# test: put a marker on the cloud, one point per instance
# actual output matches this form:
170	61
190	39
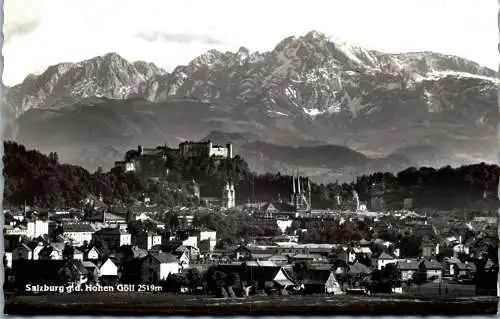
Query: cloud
182	38
20	29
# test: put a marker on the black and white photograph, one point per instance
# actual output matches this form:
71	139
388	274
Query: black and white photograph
250	158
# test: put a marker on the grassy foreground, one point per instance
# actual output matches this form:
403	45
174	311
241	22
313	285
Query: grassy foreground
168	304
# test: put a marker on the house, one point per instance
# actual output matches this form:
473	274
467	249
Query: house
207	239
177	248
37	250
278	259
37	227
407	268
263	263
385	259
321	281
429	248
78	232
112	237
147	240
358	269
255	252
53	251
266	277
128	253
432	268
93	254
18	215
459	269
19	229
242	253
308	258
108	268
158	266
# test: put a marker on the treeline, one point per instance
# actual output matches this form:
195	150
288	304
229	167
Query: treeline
38	179
33	178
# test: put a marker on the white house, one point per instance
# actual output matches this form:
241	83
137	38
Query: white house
207	233
16	230
78	232
18	215
385	259
37	249
158	266
207	238
8	259
191	241
57	251
93	254
37	227
108	268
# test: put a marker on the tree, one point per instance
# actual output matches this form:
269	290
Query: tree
194	278
175	282
419	277
301	268
68	252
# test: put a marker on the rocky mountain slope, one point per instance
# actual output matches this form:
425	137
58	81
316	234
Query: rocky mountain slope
435	109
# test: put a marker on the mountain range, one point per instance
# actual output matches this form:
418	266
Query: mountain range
327	108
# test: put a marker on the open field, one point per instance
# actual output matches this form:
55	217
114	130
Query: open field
163	304
433	289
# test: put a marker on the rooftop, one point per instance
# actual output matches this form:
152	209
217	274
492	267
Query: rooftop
78	228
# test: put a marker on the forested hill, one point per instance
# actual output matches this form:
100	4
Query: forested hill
38	179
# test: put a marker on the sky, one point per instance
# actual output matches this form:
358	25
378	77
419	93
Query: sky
40	33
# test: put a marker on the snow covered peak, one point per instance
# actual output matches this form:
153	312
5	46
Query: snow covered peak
243	53
316	35
208	58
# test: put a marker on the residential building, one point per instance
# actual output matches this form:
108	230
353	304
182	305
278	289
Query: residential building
93	254
321	281
112	237
147	240
37	227
432	268
207	237
429	248
408	268
108	268
78	232
16	230
158	266
385	259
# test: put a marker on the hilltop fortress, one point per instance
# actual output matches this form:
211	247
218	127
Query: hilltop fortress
151	162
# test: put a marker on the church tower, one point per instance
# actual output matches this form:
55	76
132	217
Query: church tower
301	197
228	196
